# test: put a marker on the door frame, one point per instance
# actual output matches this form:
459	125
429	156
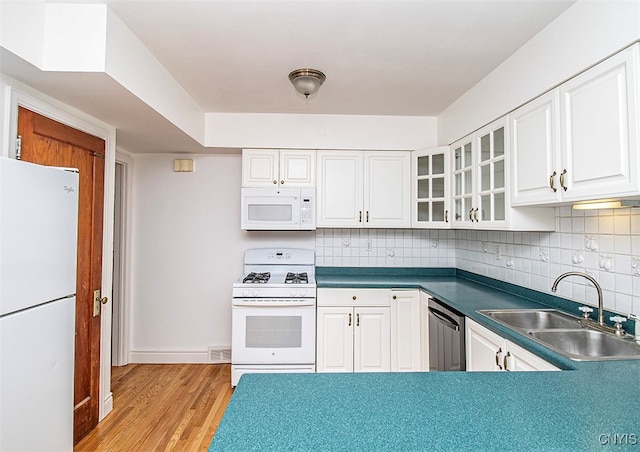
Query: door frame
121	345
24	96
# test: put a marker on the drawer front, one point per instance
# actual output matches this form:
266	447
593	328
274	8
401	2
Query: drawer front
353	297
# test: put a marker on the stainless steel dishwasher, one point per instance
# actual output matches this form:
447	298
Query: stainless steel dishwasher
446	337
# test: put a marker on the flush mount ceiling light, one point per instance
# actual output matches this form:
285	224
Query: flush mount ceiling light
307	81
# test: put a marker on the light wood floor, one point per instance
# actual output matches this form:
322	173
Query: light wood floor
162	407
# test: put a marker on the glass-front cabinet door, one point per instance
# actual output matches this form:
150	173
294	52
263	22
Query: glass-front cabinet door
463	177
431	188
491	204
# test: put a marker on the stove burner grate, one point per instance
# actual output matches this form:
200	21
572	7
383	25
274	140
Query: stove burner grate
257	278
296	278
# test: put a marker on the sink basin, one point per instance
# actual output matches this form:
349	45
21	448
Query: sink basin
564	334
587	345
533	319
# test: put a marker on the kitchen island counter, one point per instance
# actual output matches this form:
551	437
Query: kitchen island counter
590	405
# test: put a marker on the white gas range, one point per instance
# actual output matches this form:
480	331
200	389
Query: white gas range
274	313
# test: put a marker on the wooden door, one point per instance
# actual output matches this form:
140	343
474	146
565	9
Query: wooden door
47	142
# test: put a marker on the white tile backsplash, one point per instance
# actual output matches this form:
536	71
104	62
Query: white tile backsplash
602	243
585	241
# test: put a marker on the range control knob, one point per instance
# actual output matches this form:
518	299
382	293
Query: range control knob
294	292
245	292
303	292
255	292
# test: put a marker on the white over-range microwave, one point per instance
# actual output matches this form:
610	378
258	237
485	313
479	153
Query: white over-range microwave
278	209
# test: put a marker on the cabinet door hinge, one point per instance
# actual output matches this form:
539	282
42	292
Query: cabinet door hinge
19	147
97	154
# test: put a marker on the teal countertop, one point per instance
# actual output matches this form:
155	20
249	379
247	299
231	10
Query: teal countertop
590	406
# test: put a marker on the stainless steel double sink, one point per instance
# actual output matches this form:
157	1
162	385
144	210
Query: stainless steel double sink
564	334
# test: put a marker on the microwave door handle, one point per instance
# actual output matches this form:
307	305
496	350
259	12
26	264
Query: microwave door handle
445	319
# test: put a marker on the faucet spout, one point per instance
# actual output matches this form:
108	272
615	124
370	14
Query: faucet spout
554	288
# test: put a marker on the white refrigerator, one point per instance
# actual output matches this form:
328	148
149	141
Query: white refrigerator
38	241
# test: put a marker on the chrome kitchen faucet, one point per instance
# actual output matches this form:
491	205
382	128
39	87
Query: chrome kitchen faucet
600	325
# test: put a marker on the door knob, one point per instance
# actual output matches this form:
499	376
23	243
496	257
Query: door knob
104	300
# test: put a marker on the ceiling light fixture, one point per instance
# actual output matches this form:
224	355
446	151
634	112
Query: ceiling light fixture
307	81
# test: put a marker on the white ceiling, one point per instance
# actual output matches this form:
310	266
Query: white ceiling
381	57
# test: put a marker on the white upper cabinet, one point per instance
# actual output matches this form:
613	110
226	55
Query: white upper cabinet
387	189
599	124
279	168
491	151
479	178
463	175
481	191
579	142
340	193
430	189
535	146
369	189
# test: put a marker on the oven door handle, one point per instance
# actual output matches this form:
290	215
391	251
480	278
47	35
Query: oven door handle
445	319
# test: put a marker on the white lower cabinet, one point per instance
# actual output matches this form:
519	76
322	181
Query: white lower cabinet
406	331
353	330
487	351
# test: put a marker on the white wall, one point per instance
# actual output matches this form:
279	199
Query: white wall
188	249
320	131
584	34
16	17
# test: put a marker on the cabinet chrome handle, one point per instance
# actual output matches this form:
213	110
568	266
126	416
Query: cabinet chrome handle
551	184
360	217
564	171
275	182
498	358
367	216
282	182
471	214
446	216
475	214
504	361
349	320
357	319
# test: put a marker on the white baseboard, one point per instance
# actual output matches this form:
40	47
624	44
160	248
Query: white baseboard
168	357
107	406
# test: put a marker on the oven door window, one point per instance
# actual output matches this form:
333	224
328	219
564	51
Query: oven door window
267	335
273	331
